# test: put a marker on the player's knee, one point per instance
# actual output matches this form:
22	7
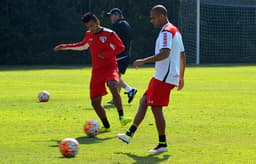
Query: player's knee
94	102
157	110
143	101
112	84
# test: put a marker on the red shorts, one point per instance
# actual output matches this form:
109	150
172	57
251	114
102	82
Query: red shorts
99	80
158	93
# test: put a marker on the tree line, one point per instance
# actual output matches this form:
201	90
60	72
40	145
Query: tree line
30	29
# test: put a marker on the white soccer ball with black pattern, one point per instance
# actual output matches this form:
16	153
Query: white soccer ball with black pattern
92	128
44	96
69	147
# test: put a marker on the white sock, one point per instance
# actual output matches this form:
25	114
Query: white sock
128	88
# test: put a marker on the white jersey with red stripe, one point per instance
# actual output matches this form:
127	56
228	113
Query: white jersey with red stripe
168	70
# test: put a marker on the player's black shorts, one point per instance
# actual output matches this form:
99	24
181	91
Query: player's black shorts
123	62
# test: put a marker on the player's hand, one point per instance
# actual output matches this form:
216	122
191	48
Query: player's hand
138	63
181	84
58	47
101	56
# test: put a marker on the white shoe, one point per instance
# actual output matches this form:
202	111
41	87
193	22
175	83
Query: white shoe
158	150
124	138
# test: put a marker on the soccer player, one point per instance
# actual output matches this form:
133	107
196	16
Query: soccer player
170	66
123	30
104	46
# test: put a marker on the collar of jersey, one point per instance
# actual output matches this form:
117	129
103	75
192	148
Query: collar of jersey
100	31
168	23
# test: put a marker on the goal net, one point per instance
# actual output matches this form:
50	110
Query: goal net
227	30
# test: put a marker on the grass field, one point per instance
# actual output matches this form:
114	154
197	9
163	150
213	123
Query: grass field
213	120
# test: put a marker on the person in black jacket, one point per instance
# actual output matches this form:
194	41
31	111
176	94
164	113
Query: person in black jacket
124	31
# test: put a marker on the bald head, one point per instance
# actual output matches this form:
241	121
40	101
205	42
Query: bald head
158	16
160	10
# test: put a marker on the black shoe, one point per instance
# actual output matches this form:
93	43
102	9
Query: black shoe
111	102
131	94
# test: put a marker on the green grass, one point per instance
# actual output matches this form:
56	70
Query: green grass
213	120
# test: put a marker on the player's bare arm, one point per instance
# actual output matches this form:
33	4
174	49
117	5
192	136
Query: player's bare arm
58	48
164	53
182	70
80	46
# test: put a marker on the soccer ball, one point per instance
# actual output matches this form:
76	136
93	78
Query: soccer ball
69	147
44	96
92	128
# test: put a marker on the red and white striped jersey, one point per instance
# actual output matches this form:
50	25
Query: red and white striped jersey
168	70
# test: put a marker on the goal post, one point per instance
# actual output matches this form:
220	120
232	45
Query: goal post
198	32
218	31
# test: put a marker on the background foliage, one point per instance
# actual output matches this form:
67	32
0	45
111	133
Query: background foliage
30	29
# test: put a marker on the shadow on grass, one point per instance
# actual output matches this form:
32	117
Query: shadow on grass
151	158
110	107
56	142
61	157
92	140
84	140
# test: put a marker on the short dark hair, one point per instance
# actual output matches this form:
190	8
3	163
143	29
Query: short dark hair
88	17
160	9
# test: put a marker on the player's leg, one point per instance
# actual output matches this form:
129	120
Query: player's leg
159	119
122	66
122	84
137	121
139	116
113	86
131	92
160	124
119	86
99	109
157	102
97	90
141	111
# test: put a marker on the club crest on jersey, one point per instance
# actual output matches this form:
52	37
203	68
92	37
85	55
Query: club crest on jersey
103	39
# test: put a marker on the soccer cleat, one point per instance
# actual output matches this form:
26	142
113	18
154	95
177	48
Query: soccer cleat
158	149
105	130
124	138
125	120
131	94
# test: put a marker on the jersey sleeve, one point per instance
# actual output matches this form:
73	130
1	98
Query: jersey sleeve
165	40
82	45
180	43
182	49
117	42
116	46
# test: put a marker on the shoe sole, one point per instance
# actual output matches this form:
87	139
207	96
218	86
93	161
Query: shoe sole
123	140
130	99
159	151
